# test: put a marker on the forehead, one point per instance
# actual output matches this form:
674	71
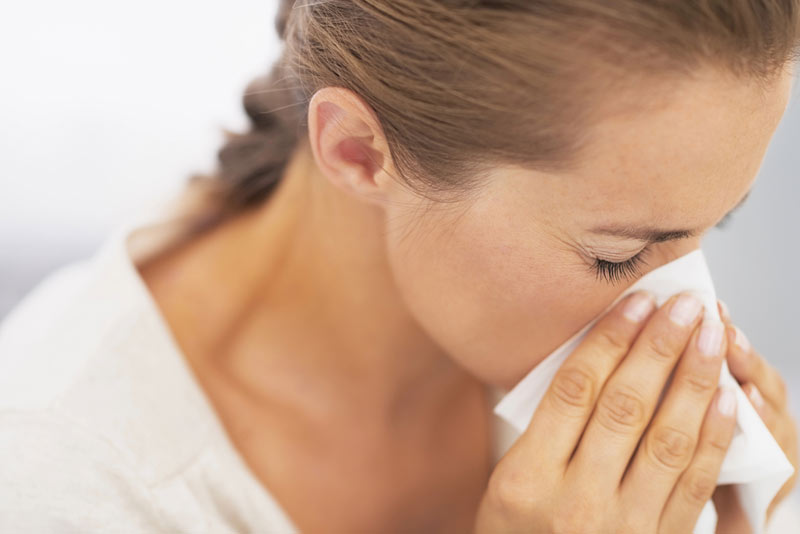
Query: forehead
684	160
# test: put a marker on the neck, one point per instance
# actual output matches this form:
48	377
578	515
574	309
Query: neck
303	305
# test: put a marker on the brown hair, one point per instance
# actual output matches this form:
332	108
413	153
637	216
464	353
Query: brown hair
460	85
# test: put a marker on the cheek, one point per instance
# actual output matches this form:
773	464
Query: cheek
497	303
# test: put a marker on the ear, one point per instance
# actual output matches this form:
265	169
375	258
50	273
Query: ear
348	144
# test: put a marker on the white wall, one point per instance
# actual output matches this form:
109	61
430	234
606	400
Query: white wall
106	106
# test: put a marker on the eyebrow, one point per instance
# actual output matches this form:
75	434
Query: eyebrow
658	235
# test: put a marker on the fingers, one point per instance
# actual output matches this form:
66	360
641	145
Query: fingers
764	409
697	483
669	443
724	312
629	397
766	390
561	416
746	365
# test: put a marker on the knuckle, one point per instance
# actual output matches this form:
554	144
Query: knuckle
573	389
698	382
698	485
718	444
511	494
612	340
621	410
670	448
661	347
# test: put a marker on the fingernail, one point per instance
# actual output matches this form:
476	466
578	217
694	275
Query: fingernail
638	306
724	312
685	309
755	396
741	340
710	339
726	403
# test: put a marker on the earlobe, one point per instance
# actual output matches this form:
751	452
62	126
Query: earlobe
342	134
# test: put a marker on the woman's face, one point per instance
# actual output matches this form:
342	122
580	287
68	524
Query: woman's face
503	279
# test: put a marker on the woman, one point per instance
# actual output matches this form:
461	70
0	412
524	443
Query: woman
432	197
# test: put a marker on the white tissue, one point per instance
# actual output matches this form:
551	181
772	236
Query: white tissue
754	462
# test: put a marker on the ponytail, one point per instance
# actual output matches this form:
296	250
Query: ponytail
251	164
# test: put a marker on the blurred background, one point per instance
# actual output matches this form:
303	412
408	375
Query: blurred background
107	107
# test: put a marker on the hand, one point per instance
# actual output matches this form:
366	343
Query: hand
597	455
767	392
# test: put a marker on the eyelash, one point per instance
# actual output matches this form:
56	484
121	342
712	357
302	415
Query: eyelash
629	269
614	272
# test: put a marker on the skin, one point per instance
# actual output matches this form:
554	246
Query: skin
350	327
579	466
756	375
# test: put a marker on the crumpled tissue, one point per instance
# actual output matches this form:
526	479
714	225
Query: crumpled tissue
754	463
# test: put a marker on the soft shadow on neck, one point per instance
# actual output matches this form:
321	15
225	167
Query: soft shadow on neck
294	301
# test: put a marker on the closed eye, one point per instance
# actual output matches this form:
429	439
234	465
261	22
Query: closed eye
614	272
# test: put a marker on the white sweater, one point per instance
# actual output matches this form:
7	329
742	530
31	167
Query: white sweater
103	426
